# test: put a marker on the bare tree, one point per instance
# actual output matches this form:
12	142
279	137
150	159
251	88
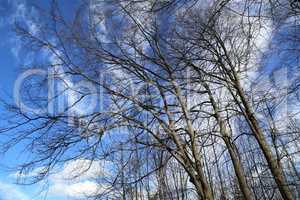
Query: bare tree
178	114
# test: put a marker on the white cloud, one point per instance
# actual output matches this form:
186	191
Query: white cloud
21	13
81	169
11	192
76	179
76	190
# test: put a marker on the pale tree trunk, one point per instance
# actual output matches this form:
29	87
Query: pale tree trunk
239	171
241	101
274	166
199	179
223	193
230	146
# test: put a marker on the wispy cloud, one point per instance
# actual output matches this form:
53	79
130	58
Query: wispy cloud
75	179
21	12
11	192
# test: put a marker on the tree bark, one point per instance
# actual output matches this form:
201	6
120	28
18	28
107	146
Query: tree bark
275	168
238	169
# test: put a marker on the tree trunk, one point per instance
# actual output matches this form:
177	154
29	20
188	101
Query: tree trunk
275	168
238	169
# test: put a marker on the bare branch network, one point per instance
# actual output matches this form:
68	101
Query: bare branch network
181	99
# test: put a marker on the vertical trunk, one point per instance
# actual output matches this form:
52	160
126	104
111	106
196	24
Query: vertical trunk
200	183
210	179
199	180
243	103
200	177
238	169
207	195
275	168
223	194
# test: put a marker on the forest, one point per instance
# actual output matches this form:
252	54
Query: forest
161	99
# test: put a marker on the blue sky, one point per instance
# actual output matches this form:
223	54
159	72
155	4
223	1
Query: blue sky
11	58
8	72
